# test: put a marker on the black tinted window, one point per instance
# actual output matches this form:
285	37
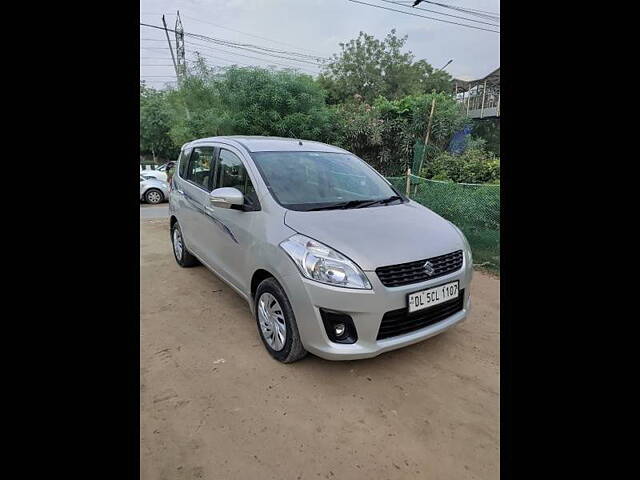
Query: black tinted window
183	160
302	180
234	174
199	169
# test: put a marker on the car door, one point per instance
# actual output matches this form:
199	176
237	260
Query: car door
193	190
233	230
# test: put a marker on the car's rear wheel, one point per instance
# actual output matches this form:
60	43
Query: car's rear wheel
153	196
180	252
276	322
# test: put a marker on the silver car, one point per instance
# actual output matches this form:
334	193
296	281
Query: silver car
331	258
153	190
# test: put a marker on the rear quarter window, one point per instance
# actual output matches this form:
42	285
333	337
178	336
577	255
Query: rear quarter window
182	162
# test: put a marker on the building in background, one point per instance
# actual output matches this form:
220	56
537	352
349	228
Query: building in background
479	98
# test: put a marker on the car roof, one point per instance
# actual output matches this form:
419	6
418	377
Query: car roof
269	144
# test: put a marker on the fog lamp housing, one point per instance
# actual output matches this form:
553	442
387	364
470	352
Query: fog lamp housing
339	326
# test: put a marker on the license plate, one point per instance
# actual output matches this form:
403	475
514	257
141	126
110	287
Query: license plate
433	296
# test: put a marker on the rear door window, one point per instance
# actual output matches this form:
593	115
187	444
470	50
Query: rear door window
200	168
232	173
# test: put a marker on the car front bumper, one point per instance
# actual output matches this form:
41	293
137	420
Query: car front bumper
366	308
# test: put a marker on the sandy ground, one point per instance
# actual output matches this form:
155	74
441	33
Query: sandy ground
214	405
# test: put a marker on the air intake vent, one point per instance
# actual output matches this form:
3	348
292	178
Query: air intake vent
399	322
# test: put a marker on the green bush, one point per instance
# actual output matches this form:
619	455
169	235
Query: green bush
248	101
474	165
386	133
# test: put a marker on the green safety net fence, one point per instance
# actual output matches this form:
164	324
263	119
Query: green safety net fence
474	208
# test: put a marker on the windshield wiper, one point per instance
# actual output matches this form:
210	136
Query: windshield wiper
384	201
355	204
341	205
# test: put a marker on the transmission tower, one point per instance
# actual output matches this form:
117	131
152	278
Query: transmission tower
181	63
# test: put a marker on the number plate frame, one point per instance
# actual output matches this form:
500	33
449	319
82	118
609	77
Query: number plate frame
415	310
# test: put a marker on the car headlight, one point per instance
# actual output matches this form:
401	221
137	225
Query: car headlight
318	262
467	248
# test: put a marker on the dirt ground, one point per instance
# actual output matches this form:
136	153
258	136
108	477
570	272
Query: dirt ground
214	405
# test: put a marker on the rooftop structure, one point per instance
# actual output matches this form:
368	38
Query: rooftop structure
480	98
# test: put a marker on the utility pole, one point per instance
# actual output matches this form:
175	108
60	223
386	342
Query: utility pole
426	138
181	63
179	66
433	106
175	65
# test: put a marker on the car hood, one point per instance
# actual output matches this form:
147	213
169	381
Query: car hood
378	236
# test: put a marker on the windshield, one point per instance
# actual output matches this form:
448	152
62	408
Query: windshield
322	180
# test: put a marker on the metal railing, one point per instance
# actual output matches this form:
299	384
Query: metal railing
480	101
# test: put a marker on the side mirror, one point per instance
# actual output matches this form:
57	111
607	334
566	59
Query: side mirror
226	197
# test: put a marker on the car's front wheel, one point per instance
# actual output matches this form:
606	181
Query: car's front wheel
153	196
277	323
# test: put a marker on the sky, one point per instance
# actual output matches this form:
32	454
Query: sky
314	27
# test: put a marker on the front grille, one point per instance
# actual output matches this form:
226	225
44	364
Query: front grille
414	272
399	322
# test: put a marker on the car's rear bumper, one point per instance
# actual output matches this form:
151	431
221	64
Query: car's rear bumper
366	308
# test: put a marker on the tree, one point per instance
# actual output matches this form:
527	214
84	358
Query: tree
385	133
370	68
155	124
248	101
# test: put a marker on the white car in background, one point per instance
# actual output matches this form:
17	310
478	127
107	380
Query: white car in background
157	174
153	191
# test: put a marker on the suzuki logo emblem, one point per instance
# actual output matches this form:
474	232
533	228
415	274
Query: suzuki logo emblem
428	268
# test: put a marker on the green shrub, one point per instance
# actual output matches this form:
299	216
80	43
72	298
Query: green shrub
387	133
475	165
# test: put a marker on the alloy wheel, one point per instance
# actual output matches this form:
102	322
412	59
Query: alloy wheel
154	197
272	324
177	243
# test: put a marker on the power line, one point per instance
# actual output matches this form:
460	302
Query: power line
456	7
209	56
440	13
258	49
424	16
251	35
227	60
242	47
248	34
464	9
253	48
267	61
227	51
239	54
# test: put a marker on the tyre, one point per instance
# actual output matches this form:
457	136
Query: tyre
153	196
180	252
276	323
